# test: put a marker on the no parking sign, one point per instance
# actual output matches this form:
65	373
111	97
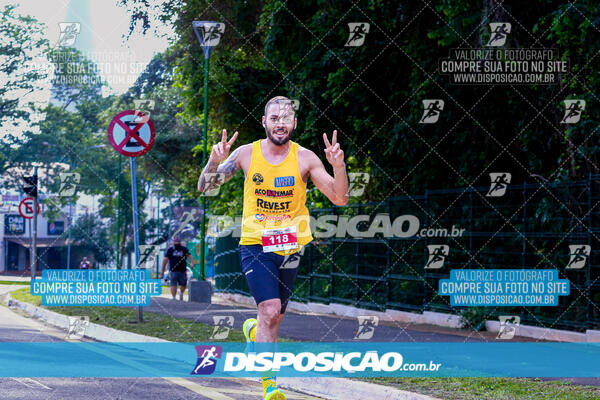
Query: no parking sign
131	133
26	207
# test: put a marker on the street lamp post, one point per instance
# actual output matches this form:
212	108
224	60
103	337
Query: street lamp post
209	34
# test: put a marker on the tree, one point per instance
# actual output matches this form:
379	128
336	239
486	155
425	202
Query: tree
21	39
372	94
91	234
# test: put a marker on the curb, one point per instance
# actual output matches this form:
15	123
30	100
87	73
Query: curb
427	317
93	331
555	335
327	388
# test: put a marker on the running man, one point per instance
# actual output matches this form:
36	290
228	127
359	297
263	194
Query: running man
275	220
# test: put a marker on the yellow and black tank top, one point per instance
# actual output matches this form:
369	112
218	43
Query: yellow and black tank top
274	197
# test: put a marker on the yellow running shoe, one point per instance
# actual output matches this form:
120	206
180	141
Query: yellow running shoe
249	329
272	392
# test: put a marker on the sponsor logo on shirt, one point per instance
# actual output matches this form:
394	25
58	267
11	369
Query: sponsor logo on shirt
274	193
261	217
273	205
282	181
257	178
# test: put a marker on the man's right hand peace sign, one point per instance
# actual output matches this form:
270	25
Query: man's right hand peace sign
220	151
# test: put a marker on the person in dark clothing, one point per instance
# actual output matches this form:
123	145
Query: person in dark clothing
176	256
85	264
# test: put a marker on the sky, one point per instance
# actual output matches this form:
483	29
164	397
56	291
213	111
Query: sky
103	27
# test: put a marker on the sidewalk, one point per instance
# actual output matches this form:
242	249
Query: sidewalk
17	276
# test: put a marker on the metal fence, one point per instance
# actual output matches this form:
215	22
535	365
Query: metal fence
531	226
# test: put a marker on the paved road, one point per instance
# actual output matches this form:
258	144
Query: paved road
14	327
138	388
330	328
18	328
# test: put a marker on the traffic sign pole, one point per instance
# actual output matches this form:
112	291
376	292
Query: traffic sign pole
69	233
157	236
29	209
136	236
119	213
34	237
132	134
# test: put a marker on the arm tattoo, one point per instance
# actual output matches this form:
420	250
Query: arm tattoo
229	167
214	175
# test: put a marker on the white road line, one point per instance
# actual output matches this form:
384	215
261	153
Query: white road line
215	393
206	391
31	383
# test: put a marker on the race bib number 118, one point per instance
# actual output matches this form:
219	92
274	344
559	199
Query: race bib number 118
279	239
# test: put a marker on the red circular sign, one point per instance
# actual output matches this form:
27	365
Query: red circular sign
131	133
26	207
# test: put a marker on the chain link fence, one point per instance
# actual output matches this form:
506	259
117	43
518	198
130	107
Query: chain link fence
373	260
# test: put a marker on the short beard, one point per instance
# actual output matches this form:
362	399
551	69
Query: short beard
277	141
